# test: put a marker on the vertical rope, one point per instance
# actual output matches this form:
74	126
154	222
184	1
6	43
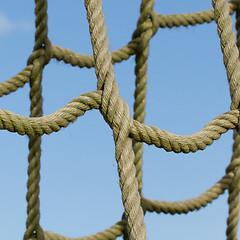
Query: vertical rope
33	228
147	27
116	113
229	49
232	65
233	199
141	83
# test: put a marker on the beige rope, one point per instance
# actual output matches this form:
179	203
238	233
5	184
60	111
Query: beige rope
109	234
193	204
128	133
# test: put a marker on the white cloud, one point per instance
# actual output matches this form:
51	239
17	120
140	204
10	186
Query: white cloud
7	25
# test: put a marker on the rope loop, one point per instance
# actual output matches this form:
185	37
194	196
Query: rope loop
38	234
45	53
148	20
43	46
150	23
155	23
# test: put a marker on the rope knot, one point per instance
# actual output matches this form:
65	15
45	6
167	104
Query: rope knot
45	53
150	23
38	234
155	23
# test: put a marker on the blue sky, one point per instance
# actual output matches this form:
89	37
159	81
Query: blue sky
80	194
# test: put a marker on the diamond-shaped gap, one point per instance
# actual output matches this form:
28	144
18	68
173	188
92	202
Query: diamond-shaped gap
80	193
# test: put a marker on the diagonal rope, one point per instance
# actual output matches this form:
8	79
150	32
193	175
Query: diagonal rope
115	110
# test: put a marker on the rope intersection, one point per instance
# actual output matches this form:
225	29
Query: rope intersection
129	132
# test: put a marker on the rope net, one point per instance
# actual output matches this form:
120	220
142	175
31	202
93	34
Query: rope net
129	133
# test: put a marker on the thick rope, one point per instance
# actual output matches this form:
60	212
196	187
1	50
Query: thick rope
109	234
16	82
116	112
186	19
41	41
229	49
233	199
142	53
193	204
232	65
140	132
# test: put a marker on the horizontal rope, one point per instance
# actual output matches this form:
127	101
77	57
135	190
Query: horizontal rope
140	132
190	204
82	60
186	19
180	143
32	126
109	234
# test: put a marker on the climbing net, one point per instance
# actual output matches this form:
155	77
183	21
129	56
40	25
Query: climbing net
128	133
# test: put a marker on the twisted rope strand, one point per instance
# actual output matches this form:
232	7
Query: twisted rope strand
141	82
234	188
232	65
116	113
19	80
109	234
229	49
191	204
33	228
186	19
33	210
140	132
180	143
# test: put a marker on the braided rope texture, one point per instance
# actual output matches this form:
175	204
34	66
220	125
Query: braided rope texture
129	133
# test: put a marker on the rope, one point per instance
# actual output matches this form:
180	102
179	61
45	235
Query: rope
115	110
129	133
109	234
142	53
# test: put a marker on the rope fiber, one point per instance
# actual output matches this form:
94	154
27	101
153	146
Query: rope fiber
129	132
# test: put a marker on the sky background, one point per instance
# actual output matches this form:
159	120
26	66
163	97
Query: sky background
80	193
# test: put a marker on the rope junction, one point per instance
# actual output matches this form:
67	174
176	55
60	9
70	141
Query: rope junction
129	133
